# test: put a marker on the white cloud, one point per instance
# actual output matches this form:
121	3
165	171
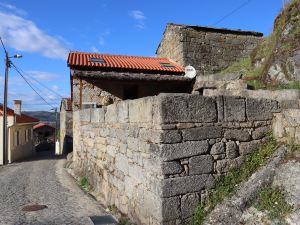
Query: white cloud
55	88
101	41
12	8
42	76
24	35
94	49
139	16
103	36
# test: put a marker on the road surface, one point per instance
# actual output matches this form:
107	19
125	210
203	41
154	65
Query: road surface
43	181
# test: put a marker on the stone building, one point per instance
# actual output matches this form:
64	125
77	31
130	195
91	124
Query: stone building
66	126
209	50
102	79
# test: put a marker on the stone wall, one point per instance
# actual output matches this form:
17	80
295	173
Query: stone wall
87	92
66	131
197	46
286	126
155	157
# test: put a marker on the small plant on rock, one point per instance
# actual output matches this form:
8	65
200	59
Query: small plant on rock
84	183
272	201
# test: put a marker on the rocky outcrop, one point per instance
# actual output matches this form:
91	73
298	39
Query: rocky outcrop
279	54
231	210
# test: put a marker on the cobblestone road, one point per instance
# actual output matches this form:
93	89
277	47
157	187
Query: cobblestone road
43	181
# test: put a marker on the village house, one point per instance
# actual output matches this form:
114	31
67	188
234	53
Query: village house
20	133
66	126
102	79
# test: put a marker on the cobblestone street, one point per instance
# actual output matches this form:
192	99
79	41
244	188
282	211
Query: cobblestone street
43	181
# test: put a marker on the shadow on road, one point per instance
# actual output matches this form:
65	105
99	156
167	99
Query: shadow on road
43	155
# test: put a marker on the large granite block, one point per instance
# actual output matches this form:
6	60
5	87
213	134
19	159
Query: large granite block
170	152
202	133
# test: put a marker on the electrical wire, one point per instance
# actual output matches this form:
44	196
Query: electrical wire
20	70
26	74
231	13
3	46
30	85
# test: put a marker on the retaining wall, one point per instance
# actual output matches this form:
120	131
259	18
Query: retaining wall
155	157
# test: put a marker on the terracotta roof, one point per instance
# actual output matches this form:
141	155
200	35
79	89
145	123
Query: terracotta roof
19	118
10	112
25	119
123	62
42	125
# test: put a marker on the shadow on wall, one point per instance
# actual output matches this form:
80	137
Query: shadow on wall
67	144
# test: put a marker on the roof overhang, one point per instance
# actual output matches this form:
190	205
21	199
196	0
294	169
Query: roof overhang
103	75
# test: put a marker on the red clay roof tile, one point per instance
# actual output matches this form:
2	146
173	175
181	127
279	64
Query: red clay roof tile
42	125
82	59
19	118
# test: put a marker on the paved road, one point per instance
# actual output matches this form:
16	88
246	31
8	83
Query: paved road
43	181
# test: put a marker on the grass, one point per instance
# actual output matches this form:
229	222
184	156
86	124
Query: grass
274	48
84	183
272	201
227	185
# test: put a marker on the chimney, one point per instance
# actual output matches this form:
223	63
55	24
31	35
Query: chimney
18	107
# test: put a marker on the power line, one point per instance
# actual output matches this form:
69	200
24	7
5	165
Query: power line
41	84
230	13
40	104
60	96
3	46
18	71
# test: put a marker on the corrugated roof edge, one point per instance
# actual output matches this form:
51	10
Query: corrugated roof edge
130	56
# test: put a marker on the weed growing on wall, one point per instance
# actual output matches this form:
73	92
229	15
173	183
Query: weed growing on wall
226	186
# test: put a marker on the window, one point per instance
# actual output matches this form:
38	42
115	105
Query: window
27	135
97	60
130	92
17	138
88	105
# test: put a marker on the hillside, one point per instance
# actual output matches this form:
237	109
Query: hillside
43	116
275	61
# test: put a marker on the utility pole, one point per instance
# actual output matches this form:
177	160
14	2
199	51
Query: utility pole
5	136
5	140
55	124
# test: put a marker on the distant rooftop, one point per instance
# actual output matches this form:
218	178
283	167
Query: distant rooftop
219	30
106	62
23	118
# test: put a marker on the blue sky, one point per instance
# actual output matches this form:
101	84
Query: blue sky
45	31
